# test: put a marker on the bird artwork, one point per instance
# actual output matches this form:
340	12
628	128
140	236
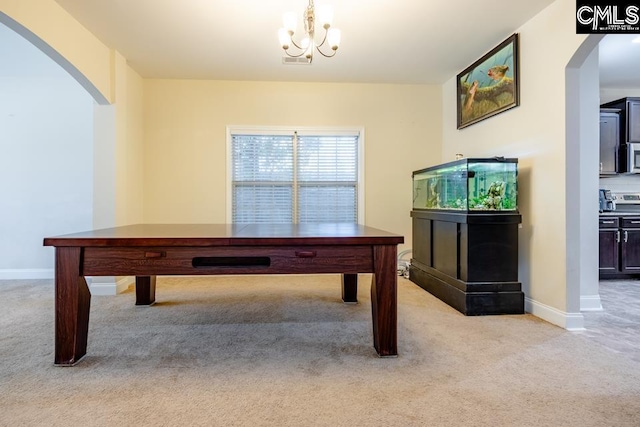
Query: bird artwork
489	87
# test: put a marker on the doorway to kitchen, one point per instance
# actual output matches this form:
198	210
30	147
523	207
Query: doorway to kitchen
610	308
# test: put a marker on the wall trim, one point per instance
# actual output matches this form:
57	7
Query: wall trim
26	273
590	303
568	321
110	287
96	287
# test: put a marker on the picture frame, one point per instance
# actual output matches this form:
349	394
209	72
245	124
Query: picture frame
490	85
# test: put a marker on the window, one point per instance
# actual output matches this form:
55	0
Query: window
300	176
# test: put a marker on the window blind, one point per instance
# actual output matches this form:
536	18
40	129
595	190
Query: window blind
327	178
294	178
262	178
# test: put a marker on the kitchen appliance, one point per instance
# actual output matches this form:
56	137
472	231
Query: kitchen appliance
626	202
633	157
607	202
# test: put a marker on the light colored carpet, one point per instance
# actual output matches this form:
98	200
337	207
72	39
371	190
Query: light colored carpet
284	350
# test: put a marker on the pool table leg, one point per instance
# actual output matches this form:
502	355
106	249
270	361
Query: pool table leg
384	300
145	290
72	302
350	288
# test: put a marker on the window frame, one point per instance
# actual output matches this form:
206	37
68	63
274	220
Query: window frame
282	130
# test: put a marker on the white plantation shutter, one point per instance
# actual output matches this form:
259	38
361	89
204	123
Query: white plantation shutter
295	177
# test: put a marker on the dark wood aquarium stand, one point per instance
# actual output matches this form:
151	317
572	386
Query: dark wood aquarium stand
469	260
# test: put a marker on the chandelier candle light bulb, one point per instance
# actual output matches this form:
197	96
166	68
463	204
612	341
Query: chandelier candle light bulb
333	38
290	22
325	15
307	45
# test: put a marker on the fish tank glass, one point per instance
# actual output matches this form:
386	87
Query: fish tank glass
482	184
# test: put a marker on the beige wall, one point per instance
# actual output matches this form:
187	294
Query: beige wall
179	170
185	140
49	22
119	151
129	150
535	133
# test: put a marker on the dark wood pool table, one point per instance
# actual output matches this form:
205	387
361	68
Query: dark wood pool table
147	250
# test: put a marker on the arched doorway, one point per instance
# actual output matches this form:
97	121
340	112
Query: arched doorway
582	157
48	122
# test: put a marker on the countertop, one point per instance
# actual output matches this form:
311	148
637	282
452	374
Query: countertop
619	213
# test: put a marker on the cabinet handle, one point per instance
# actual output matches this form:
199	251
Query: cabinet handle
607	222
154	254
600	166
634	222
626	236
618	236
306	254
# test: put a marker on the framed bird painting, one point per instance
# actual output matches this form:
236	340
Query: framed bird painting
490	85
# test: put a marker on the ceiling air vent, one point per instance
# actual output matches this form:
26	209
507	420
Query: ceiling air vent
300	60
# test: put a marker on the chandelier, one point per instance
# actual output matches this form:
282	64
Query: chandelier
306	46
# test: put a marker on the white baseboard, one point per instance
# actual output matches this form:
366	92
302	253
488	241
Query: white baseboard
97	285
590	303
100	286
26	273
568	321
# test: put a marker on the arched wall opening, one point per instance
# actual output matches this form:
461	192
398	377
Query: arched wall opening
582	100
57	137
55	57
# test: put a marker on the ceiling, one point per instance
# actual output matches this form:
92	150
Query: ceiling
619	61
237	39
383	41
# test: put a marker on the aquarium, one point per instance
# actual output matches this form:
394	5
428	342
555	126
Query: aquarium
482	184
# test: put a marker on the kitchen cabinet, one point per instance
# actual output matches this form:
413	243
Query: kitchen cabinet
633	120
619	245
630	245
629	118
609	244
609	141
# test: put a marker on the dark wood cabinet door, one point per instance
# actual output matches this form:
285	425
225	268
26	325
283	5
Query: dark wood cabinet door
422	241
609	142
609	251
630	251
633	121
445	248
